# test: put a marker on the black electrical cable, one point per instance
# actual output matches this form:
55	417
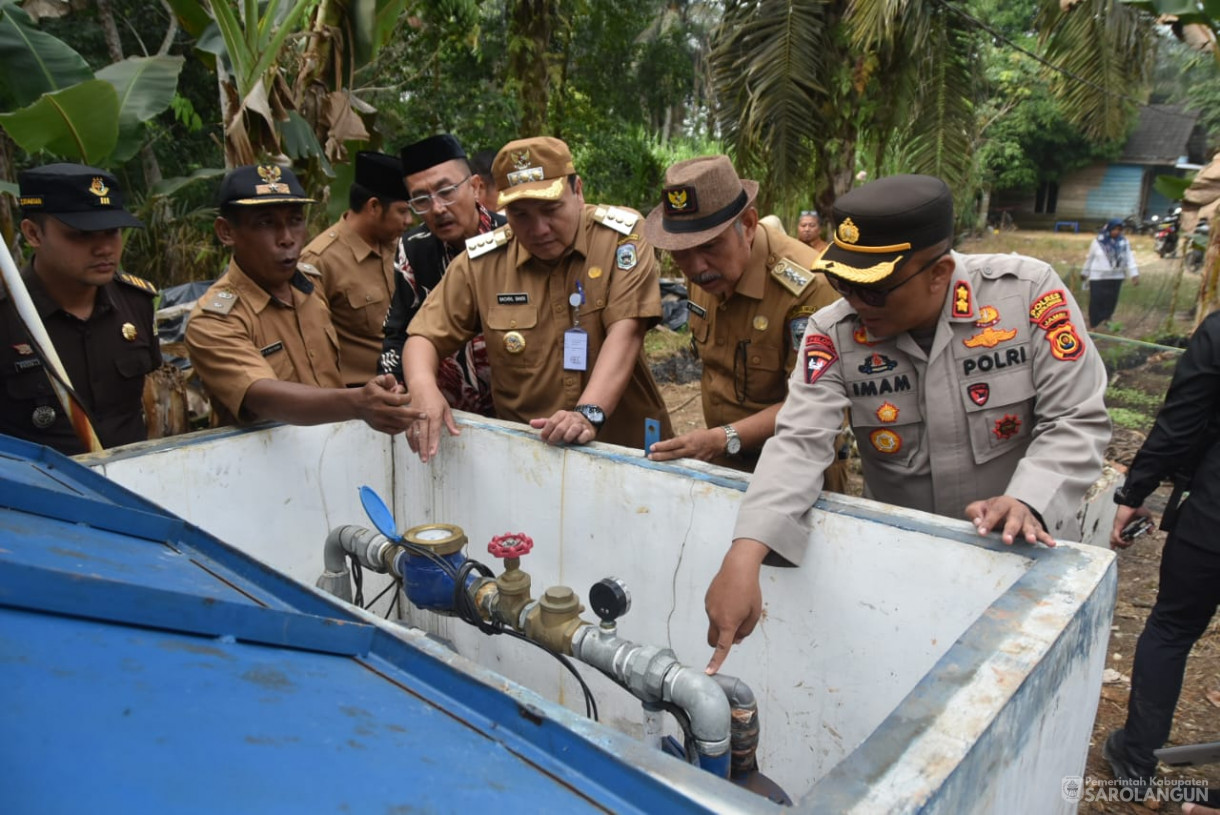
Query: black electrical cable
358	579
381	594
394	602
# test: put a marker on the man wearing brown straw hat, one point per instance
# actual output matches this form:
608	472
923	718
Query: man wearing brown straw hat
355	259
753	292
261	337
563	296
971	391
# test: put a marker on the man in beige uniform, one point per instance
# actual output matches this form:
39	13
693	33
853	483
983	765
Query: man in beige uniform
563	295
753	294
970	385
355	259
261	337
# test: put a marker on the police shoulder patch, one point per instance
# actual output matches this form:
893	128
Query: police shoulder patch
136	282
480	245
819	355
219	301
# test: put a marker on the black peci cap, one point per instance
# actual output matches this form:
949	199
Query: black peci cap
84	198
380	175
883	222
429	152
260	185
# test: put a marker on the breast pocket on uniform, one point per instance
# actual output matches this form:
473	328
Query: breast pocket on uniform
1000	412
888	426
765	378
370	304
698	322
509	336
281	364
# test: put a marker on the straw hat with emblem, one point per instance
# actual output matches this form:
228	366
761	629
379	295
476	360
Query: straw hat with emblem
701	198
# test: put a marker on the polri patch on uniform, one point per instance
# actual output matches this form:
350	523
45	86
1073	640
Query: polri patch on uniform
1046	304
1065	343
885	441
819	355
963	300
989	337
1006	427
888	413
979	393
513	298
625	257
988	315
792	276
696	309
797	329
878	364
1054	318
268	350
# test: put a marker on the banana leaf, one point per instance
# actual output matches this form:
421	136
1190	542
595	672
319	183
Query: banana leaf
80	122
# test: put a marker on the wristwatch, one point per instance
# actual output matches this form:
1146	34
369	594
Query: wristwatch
732	442
595	415
1123	499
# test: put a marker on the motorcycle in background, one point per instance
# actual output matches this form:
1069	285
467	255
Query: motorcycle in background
1166	241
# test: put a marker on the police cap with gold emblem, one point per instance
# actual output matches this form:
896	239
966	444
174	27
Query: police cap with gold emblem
380	175
260	185
84	198
532	168
701	198
884	222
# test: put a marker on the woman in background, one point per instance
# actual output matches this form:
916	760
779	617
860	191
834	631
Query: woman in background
1109	262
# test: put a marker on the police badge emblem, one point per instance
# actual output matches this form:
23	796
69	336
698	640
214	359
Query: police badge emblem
43	417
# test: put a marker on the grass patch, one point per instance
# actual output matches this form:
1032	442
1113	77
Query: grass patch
1133	399
662	343
1130	419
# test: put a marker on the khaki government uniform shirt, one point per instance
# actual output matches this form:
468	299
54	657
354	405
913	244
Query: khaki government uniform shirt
358	281
748	342
239	334
521	306
1009	401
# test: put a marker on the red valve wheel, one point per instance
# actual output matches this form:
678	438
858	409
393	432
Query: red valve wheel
510	544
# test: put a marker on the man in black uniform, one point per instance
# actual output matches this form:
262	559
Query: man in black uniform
99	319
444	192
1185	444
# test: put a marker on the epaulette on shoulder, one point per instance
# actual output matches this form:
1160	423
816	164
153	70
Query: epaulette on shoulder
308	268
791	275
488	241
136	282
620	220
218	301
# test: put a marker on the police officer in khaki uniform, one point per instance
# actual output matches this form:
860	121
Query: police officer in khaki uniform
355	260
563	295
971	384
753	294
261	337
99	319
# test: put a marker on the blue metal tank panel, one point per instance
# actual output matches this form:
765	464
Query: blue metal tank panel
147	667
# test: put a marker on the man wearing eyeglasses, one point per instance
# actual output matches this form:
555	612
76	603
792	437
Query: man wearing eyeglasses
444	192
563	295
355	259
753	292
972	388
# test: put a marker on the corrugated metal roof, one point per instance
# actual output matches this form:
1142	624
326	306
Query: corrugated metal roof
1161	136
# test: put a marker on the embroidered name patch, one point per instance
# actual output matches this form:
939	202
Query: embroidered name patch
696	309
819	355
517	298
271	349
995	360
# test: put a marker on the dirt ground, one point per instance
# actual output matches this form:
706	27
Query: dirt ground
1198	713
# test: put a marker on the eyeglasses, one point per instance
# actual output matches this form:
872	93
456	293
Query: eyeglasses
875	298
808	212
740	371
422	204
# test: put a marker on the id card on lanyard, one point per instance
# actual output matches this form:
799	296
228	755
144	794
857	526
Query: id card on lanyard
576	339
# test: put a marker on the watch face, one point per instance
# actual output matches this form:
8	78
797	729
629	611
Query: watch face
594	414
733	447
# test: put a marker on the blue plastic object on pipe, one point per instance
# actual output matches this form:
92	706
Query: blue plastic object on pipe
716	765
429	586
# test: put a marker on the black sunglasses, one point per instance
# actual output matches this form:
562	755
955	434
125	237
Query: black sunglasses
874	297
